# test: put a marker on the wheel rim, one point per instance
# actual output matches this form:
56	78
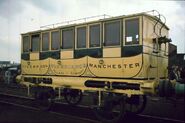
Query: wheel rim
111	111
137	107
73	96
43	100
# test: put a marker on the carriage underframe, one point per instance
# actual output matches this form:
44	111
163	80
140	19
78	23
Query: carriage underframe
112	98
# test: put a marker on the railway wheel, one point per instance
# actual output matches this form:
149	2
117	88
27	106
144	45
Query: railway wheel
136	104
44	100
72	96
111	109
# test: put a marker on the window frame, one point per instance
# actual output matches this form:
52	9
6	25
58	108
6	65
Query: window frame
39	42
56	30
61	36
94	24
23	43
42	41
139	30
120	37
76	36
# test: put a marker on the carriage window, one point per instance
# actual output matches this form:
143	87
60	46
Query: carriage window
132	31
45	41
112	33
26	44
67	38
35	42
55	40
94	36
81	37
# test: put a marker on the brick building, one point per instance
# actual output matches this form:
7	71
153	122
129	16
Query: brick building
174	57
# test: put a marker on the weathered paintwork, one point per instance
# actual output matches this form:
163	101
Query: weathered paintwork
146	67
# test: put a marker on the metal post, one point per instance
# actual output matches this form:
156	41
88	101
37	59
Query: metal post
99	98
59	93
28	93
157	42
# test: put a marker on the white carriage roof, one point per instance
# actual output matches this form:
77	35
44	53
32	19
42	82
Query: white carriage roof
89	20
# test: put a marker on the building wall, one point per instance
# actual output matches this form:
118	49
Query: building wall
174	57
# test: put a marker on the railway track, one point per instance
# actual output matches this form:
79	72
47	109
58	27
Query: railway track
168	120
86	114
28	103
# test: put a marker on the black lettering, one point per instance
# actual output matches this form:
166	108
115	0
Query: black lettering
104	66
99	66
130	65
119	66
114	66
137	64
95	66
125	65
108	66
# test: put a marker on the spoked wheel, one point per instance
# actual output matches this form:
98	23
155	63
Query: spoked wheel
44	100
111	110
136	104
73	96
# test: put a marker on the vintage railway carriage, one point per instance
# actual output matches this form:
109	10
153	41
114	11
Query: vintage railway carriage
122	57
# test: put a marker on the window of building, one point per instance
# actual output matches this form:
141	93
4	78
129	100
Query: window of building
112	33
81	37
45	41
132	31
67	38
35	43
94	36
55	40
26	44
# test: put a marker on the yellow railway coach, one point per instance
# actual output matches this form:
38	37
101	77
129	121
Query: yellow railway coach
118	59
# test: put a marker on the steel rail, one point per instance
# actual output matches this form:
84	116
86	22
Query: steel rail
80	106
36	109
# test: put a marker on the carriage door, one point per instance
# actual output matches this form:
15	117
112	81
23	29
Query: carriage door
112	38
34	54
35	47
132	48
25	54
67	36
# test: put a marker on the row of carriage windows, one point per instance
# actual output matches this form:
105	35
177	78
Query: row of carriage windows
112	37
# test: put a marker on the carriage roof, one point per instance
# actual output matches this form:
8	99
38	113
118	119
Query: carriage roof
65	25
